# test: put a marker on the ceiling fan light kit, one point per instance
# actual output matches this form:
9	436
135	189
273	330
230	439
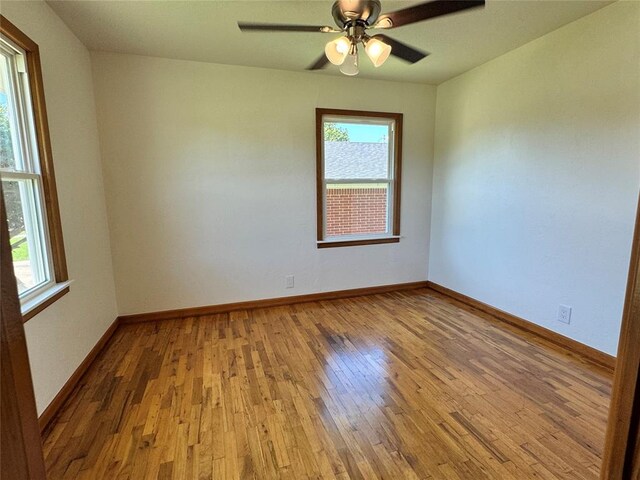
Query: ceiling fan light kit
343	51
355	17
350	65
337	50
377	51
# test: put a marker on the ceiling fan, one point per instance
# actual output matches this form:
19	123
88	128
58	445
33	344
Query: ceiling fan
354	17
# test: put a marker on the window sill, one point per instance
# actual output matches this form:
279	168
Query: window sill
357	241
37	304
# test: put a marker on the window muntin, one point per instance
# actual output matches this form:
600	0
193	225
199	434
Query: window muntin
358	176
22	181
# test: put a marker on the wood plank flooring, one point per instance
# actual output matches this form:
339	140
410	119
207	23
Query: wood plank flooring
400	385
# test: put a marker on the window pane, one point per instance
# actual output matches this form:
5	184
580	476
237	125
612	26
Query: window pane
355	209
354	150
25	233
9	150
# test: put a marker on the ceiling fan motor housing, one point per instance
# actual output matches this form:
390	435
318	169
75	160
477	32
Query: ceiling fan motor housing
352	12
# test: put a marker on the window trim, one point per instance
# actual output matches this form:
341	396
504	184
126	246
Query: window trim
394	183
45	154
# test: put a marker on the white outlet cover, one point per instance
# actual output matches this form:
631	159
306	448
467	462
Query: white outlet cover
289	281
564	314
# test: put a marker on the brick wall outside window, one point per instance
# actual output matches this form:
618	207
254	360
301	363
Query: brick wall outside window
352	211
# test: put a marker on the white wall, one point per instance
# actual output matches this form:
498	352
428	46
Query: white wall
62	335
210	181
536	176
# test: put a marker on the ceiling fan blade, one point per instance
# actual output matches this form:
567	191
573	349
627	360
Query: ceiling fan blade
278	27
320	63
425	11
402	50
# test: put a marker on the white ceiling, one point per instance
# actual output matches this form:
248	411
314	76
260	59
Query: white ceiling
207	31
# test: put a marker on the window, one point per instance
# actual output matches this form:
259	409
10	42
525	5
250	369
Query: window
358	167
26	170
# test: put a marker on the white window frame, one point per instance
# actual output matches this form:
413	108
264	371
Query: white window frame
391	122
28	174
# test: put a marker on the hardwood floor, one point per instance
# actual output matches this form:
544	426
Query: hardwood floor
399	385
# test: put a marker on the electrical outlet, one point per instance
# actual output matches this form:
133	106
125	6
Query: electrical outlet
289	280
564	314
